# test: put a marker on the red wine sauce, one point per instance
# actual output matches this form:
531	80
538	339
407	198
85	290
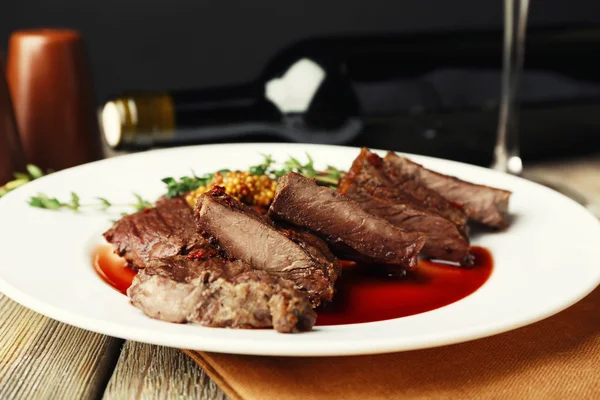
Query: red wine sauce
112	268
364	293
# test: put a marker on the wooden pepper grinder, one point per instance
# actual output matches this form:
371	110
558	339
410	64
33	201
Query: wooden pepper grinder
51	87
11	153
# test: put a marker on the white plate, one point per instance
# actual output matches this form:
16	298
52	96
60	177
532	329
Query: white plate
546	261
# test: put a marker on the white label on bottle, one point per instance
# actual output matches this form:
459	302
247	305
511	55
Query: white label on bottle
294	91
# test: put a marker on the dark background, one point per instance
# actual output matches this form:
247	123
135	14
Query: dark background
159	44
167	45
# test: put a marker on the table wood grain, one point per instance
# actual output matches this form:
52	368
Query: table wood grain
43	359
155	372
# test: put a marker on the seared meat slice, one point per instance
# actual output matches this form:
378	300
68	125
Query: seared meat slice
428	199
444	240
378	194
253	238
213	291
483	204
343	223
163	231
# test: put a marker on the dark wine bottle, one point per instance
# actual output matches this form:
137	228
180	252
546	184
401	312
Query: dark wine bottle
304	102
355	89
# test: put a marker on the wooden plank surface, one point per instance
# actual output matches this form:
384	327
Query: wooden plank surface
44	359
155	372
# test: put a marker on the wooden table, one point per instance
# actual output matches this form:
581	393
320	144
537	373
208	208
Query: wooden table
44	359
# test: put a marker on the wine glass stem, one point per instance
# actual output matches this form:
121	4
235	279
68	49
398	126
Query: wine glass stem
506	152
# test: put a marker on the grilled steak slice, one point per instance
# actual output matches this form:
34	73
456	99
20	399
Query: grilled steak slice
343	223
217	292
428	199
483	204
367	184
163	231
243	233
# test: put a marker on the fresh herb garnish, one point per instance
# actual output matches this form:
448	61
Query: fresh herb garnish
33	173
104	204
141	204
264	167
329	177
46	202
175	187
187	183
74	204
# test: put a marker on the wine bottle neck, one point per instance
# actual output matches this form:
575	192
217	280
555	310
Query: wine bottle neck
147	118
305	99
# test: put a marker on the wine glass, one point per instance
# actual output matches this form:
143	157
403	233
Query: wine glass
506	152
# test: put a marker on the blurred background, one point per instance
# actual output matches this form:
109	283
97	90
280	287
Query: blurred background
421	76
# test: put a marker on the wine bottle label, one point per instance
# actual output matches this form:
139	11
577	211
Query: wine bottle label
295	90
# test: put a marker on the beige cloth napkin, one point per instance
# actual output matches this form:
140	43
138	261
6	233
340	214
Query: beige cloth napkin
558	358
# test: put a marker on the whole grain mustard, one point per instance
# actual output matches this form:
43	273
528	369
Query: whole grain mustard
250	189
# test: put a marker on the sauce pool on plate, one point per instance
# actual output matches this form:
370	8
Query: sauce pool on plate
363	293
112	268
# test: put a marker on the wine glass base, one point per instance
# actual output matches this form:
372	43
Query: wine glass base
511	165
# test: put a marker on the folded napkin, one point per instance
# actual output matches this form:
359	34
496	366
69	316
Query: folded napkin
558	358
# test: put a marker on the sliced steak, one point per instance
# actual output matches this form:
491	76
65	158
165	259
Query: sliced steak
245	234
367	183
428	199
483	204
217	292
343	223
164	231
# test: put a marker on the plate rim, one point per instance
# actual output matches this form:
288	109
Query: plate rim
244	346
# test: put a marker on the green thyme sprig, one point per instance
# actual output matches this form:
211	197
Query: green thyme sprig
187	183
329	177
175	187
74	203
263	168
33	173
46	202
